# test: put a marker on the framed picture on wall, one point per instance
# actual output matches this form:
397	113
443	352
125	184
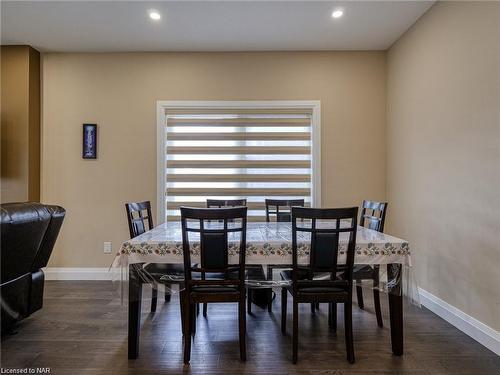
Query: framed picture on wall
89	150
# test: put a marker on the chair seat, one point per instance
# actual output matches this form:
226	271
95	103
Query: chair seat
232	275
214	276
321	289
218	289
215	289
337	286
163	268
359	271
157	270
305	274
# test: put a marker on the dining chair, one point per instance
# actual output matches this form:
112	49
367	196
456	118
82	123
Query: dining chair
273	208
324	249
140	220
214	239
219	203
280	210
372	217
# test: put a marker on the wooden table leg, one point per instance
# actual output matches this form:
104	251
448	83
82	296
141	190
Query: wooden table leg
269	277
134	310
396	307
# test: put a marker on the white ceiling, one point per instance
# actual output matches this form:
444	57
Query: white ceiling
107	26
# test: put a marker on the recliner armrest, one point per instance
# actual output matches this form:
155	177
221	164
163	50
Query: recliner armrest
23	227
57	214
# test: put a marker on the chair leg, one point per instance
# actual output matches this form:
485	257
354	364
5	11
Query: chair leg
313	308
349	341
378	311
249	301
332	316
197	309
205	309
359	293
295	335
270	300
376	296
192	308
242	328
154	297
284	294
168	297
317	305
183	312
187	336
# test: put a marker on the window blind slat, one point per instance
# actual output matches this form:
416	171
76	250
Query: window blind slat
239	136
239	150
243	192
239	177
239	163
239	122
232	113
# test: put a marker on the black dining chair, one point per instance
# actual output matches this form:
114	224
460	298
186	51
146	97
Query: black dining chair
213	239
220	203
280	211
372	217
140	220
323	258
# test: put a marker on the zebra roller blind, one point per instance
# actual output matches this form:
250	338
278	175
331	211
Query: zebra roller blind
236	153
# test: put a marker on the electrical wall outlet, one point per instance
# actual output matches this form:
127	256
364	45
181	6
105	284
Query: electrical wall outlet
107	247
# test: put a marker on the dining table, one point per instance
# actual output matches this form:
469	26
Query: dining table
268	243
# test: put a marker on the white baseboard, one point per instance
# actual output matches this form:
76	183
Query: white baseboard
472	327
71	273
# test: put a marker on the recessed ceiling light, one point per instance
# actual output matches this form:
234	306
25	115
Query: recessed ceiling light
337	13
154	15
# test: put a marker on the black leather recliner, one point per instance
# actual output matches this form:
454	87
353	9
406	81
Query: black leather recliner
28	234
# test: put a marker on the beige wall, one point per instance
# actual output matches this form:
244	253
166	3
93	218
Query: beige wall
20	119
119	93
443	161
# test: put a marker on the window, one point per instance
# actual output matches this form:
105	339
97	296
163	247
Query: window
231	152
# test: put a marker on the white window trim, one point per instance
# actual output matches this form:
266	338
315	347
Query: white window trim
162	106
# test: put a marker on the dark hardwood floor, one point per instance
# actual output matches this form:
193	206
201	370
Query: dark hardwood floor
82	329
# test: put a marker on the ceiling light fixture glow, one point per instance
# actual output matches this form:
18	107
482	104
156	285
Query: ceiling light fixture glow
154	15
337	13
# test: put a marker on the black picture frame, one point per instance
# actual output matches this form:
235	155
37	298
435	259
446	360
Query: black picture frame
89	141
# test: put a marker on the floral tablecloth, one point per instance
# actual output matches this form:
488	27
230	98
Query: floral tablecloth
267	243
271	244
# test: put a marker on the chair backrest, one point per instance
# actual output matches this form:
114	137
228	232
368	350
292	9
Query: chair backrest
373	215
273	208
138	214
214	240
325	226
219	203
